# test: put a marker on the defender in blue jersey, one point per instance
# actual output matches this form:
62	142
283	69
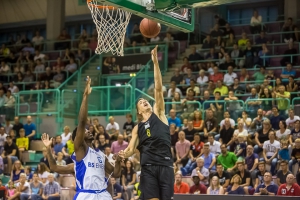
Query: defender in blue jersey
90	166
151	136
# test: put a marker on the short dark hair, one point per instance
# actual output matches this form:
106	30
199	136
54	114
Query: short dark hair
210	135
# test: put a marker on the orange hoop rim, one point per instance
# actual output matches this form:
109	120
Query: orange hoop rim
89	2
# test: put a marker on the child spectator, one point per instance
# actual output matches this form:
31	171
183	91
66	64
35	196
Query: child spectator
11	191
22	142
240	148
3	188
44	159
28	173
284	150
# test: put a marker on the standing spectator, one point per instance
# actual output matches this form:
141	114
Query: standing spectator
119	145
30	128
227	159
267	187
58	145
270	151
215	188
65	136
36	188
290	188
180	187
223	176
51	189
112	126
283	173
128	180
201	171
182	149
256	23
197	188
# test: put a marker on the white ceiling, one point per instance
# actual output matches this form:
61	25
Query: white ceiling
12	11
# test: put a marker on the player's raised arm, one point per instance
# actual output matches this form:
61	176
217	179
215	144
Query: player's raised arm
67	169
159	107
129	151
79	143
115	169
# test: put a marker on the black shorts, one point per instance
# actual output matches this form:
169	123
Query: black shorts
157	182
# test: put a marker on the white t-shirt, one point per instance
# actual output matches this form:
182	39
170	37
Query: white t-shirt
41	56
176	90
271	147
201	80
284	135
247	120
65	138
232	122
2	139
229	78
110	126
290	122
14	89
37	40
26	184
215	147
255	21
237	132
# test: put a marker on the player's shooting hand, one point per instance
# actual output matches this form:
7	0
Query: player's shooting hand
154	54
46	140
88	88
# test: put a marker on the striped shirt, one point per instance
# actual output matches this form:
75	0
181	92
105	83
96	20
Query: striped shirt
51	188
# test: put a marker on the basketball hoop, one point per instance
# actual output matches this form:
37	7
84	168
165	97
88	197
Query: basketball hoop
111	24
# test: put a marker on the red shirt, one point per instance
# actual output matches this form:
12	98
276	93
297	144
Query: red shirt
195	189
182	189
293	191
216	77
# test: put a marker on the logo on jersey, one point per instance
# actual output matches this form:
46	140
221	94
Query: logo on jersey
147	125
96	164
148	132
283	191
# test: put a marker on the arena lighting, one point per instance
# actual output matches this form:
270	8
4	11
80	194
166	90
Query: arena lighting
118	84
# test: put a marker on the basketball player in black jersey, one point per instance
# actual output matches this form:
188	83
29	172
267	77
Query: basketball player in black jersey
151	136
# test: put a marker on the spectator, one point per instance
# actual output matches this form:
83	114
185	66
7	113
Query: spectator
214	146
65	136
276	118
169	40
251	162
11	152
229	76
22	143
40	67
117	189
71	67
250	55
283	173
43	172
253	103
195	152
190	131
112	126
210	124
128	125
226	133
284	133
223	176
208	159
288	58
194	56
261	39
243	41
292	86
17	170
208	43
290	27
30	128
245	175
240	146
39	55
270	151
235	187
227	159
215	188
4	51
174	120
231	41
267	187
295	154
182	149
108	154
52	189
58	78
202	79
13	88
62	37
220	21
36	188
178	78
193	86
290	188
259	179
4	69
155	39
197	188
23	187
212	55
68	150
128	180
205	102
44	159
180	187
263	56
256	23
237	54
223	89
227	62
216	76
173	89
3	189
201	171
119	145
228	30
217	34
287	73
58	145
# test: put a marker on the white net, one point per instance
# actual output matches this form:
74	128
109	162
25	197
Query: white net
111	24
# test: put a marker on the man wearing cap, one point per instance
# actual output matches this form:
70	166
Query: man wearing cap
198	188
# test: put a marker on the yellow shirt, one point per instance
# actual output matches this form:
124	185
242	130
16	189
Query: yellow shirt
70	146
23	142
283	103
223	90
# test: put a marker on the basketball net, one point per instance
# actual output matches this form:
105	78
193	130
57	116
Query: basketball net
111	24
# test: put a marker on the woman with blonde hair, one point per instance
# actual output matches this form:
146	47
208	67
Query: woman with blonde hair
235	187
17	169
215	188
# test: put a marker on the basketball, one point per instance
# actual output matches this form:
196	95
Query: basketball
149	28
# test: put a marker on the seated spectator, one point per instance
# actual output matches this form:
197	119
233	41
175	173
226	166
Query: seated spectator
214	146
227	159
259	178
290	188
194	87
39	55
195	151
217	75
197	120
240	147
37	40
256	23
189	104
283	172
190	131
202	79
40	67
208	43
128	180
112	125
283	133
169	40
235	187
118	145
52	189
174	120
253	103
22	142
267	187
4	51
295	153
58	145
231	40
36	189
210	125
114	68
194	56
72	66
290	27
243	41
276	117
237	55
150	90
209	159
227	116
155	39
177	104
229	76
108	154
228	30
222	175
251	161
197	188
58	78
288	58
173	89
270	151
180	187
263	54
289	71
204	101
10	153
226	133
23	187
17	169
117	189
182	149
178	78
201	171
211	87
12	192
223	89
292	87
186	65
43	172
250	55
227	62
217	34
212	55
13	88
246	182
262	133
261	39
4	69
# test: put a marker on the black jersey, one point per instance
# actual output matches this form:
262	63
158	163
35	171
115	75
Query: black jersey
154	142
